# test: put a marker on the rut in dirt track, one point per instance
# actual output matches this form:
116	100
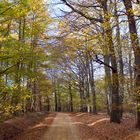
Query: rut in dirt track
62	129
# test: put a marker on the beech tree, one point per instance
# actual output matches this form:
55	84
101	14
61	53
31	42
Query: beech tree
22	24
105	22
101	18
136	48
85	59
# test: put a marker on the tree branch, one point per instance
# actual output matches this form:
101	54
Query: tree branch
4	71
9	8
82	14
101	62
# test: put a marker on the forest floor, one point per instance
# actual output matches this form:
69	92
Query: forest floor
98	127
67	126
31	126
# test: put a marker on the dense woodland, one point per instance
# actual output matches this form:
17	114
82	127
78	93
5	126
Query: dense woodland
84	56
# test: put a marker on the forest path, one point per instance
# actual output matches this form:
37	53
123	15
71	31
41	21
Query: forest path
62	128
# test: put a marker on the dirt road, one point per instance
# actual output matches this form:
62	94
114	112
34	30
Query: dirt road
62	129
67	126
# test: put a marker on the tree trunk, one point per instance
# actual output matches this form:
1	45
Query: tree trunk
55	98
121	71
92	84
108	82
136	49
71	97
83	106
115	110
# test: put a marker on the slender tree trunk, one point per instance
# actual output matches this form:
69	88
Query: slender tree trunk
92	84
83	106
48	103
36	97
58	98
55	98
130	73
71	96
108	82
121	71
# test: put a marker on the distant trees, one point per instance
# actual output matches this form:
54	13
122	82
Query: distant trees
103	22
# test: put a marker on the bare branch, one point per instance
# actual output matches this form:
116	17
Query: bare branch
82	14
101	62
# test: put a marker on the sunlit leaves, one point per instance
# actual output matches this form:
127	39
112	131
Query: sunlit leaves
22	50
